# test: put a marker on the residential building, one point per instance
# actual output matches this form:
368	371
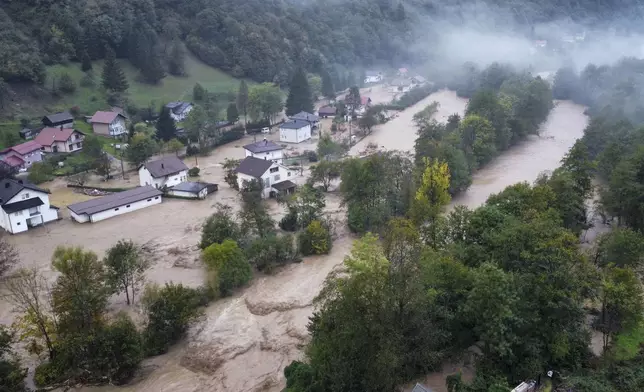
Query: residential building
165	172
310	118
418	80
327	111
373	77
29	133
22	155
274	177
420	388
115	204
193	190
60	139
400	85
265	149
24	205
108	123
295	131
179	110
57	120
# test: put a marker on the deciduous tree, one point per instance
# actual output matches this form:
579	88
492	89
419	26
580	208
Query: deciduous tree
125	266
229	263
432	193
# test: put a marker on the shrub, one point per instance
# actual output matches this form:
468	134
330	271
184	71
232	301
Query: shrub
265	253
192	150
40	172
219	227
66	84
170	310
312	156
194	172
75	111
87	81
315	239
228	260
48	373
289	222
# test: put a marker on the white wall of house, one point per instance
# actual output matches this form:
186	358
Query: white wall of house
288	135
112	212
275	156
117	127
201	195
145	178
276	173
181	116
373	79
17	222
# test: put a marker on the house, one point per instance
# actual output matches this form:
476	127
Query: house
273	176
108	123
418	80
400	85
193	190
311	118
60	139
62	119
372	77
265	149
29	133
115	204
22	155
295	131
402	71
24	205
179	110
327	111
165	172
420	388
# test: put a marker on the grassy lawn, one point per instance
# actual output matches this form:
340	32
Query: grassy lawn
171	88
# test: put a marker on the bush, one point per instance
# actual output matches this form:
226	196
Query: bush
66	84
219	227
192	150
87	81
194	172
75	111
315	239
289	222
40	172
170	311
265	253
230	264
48	373
312	156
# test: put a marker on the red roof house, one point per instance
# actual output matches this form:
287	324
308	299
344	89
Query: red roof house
60	139
22	155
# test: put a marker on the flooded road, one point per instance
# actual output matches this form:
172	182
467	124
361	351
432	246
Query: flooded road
243	343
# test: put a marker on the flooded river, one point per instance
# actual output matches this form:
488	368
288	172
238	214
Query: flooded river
243	343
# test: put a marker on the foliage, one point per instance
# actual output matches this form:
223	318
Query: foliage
230	264
328	148
266	253
12	374
125	267
327	89
622	247
174	145
66	84
140	149
306	205
8	255
165	126
199	93
40	172
325	172
169	311
176	59
315	239
194	172
220	226
242	99
232	115
300	97
230	166
255	218
264	101
432	193
113	76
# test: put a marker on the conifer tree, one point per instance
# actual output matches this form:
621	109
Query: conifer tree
166	129
327	86
242	99
299	96
113	77
86	62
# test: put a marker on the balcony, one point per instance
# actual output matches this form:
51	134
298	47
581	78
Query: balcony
34	211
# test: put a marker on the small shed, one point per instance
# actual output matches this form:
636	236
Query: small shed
193	190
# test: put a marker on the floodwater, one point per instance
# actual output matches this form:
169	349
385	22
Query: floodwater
243	343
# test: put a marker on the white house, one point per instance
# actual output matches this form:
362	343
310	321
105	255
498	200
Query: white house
295	131
108	123
179	110
165	172
265	149
115	204
373	77
309	117
274	177
24	205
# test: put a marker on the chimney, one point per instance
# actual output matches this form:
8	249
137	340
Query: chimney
61	128
162	167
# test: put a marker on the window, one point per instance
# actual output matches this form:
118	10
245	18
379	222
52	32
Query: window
156	198
76	137
18	213
149	199
18	224
288	174
116	209
25	196
274	169
267	182
276	178
71	147
79	145
127	206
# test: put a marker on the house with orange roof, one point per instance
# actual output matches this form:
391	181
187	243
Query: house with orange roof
108	123
23	155
60	139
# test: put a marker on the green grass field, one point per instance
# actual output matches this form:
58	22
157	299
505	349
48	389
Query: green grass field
171	88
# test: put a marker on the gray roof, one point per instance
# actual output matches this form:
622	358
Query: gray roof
10	187
306	117
262	146
328	110
192	187
254	167
420	388
165	166
401	82
22	205
295	124
114	200
178	107
286	184
61	117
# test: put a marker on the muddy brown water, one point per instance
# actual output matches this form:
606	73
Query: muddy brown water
243	343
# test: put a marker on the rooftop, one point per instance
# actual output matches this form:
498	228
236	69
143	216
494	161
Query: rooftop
62	117
295	124
165	166
178	107
327	110
114	200
420	388
48	136
14	161
10	187
22	205
105	117
284	185
306	117
262	146
23	148
192	187
254	167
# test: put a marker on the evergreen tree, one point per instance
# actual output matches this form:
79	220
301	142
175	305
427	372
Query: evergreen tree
176	60
242	99
153	70
166	129
232	115
86	62
299	95
113	76
327	86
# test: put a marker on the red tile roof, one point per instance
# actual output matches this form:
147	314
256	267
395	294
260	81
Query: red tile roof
14	161
48	136
24	148
104	117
